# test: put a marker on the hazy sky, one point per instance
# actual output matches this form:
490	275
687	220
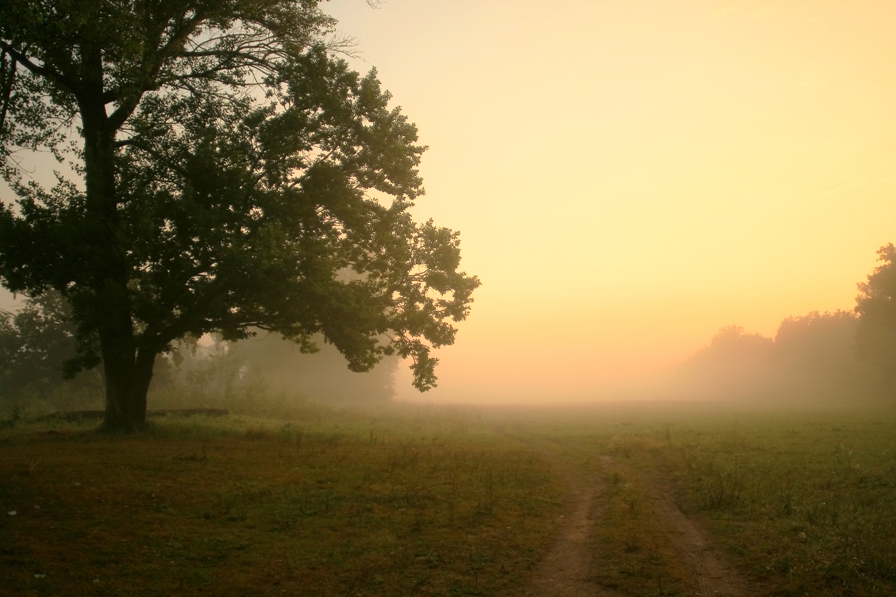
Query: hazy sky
629	177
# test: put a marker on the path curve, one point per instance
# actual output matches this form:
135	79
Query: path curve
709	571
567	570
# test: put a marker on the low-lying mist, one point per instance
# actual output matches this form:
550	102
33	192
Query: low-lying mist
810	362
262	375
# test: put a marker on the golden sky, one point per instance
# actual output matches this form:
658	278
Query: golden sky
629	177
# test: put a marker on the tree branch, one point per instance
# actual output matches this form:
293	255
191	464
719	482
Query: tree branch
42	71
153	67
7	87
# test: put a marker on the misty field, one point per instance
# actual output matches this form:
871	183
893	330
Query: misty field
328	504
403	500
800	504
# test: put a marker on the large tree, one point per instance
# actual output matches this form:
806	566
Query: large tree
876	306
228	173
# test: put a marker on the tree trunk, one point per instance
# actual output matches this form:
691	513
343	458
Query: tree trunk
128	374
142	377
110	312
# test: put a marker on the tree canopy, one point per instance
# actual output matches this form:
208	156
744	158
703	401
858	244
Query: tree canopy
876	307
229	173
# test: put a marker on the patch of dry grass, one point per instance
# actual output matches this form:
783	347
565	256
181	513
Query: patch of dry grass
338	504
418	501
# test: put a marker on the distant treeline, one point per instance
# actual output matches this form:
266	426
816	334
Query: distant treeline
818	359
811	360
263	373
258	374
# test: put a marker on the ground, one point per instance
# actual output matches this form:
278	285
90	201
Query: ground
405	500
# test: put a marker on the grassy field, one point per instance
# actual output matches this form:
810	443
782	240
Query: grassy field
808	503
397	502
801	503
405	500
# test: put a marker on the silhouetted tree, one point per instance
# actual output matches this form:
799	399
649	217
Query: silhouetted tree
229	173
876	307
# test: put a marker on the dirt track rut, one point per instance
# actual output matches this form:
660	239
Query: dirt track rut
710	573
568	569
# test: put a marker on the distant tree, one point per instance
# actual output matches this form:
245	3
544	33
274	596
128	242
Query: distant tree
733	366
733	345
35	342
817	359
876	307
817	336
810	361
231	174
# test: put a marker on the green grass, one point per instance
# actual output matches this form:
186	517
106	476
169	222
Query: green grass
801	503
807	504
404	500
350	503
635	553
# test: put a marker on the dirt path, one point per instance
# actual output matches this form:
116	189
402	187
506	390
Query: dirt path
569	567
708	569
566	569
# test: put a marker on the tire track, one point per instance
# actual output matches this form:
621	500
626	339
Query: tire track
568	568
708	571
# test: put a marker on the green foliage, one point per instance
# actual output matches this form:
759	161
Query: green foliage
230	174
35	344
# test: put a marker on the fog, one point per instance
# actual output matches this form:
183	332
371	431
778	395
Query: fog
645	175
642	176
262	373
809	363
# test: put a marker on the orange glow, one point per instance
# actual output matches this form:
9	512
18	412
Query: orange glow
629	177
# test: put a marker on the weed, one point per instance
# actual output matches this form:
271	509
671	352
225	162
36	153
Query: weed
812	502
409	500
